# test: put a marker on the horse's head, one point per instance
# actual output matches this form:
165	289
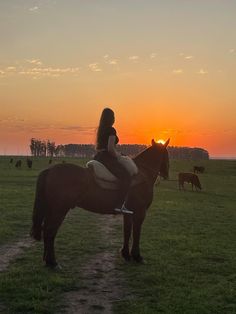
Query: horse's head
161	150
154	160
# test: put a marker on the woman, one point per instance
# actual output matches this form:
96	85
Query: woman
109	157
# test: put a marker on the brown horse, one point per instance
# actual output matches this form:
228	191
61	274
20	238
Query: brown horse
65	186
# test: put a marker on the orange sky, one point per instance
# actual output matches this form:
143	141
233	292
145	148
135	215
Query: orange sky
164	73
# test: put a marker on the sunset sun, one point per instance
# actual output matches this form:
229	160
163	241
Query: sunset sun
161	141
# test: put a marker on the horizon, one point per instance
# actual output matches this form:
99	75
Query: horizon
29	153
163	72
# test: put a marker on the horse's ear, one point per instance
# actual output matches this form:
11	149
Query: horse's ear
167	142
153	142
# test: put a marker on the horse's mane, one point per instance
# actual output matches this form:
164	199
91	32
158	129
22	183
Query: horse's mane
142	154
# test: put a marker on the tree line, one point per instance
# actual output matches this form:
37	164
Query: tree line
42	148
196	153
49	148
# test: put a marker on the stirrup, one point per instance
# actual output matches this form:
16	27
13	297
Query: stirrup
123	210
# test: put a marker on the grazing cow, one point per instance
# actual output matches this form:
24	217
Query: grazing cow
18	164
29	163
50	161
198	169
189	178
11	160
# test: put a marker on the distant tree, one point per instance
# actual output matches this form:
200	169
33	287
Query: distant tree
60	151
37	147
33	146
51	147
188	153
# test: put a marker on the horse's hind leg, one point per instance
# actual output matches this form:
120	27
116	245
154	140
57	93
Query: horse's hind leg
137	225
51	226
127	227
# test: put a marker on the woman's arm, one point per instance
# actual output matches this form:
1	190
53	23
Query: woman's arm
112	146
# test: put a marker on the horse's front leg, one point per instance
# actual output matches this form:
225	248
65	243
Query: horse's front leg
138	219
127	227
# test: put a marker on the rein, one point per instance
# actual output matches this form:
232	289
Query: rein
142	162
150	170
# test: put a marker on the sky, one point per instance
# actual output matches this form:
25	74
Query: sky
166	68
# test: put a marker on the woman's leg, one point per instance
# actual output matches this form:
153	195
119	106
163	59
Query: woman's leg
119	171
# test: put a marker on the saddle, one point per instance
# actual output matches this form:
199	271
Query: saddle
106	180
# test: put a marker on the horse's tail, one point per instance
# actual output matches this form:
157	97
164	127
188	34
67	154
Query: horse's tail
39	206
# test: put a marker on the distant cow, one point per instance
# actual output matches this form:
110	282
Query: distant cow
29	163
11	161
189	178
18	164
50	161
198	169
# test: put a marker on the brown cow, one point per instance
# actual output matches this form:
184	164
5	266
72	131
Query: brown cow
189	178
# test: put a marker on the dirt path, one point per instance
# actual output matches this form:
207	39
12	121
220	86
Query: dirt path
9	252
102	281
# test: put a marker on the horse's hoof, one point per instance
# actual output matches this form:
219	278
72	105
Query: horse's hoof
138	259
58	267
53	266
126	256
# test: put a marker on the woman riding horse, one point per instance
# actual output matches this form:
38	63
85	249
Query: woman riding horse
110	158
65	186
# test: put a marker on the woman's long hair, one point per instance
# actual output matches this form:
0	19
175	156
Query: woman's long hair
107	119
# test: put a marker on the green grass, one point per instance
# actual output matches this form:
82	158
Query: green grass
27	286
189	244
188	241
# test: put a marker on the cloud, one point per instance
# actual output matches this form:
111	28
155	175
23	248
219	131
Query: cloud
178	71
232	50
153	55
11	119
113	61
34	68
134	58
188	57
80	129
171	131
11	69
18	124
95	67
202	72
35	61
108	60
39	72
12	124
2	72
34	9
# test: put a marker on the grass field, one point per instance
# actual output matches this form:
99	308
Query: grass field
188	242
